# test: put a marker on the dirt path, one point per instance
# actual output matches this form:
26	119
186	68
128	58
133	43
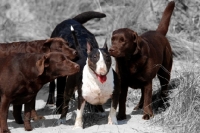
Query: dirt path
133	124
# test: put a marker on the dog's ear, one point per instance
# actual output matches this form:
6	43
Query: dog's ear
105	45
89	47
47	45
42	63
46	62
136	41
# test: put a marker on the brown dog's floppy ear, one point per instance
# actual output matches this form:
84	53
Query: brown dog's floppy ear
46	62
47	45
42	63
136	41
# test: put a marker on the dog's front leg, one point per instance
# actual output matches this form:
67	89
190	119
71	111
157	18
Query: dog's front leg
122	102
79	114
17	113
27	115
4	105
34	114
112	119
147	108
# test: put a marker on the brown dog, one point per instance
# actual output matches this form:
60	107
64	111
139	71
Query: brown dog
29	73
38	46
139	59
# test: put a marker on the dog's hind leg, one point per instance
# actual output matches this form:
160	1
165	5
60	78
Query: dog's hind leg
61	83
51	99
164	78
4	106
68	93
140	104
147	107
17	114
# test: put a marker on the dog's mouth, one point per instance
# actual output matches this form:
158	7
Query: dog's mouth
115	53
101	78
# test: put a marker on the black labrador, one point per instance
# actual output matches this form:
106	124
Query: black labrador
68	85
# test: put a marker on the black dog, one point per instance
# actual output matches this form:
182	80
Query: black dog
83	36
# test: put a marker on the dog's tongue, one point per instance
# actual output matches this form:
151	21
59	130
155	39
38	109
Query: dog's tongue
101	78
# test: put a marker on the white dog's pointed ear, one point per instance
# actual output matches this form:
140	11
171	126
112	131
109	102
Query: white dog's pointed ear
89	47
105	45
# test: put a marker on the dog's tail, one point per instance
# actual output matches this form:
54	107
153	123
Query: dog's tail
164	22
86	16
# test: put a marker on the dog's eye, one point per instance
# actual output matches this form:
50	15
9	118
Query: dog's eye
95	57
121	39
112	39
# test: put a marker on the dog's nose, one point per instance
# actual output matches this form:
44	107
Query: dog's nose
111	50
77	67
75	53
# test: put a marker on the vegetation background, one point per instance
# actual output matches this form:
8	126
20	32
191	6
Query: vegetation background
22	20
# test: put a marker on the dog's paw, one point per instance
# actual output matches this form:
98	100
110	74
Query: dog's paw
112	121
5	130
61	121
147	116
27	126
121	117
78	125
36	118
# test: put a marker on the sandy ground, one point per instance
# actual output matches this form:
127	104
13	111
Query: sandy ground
134	122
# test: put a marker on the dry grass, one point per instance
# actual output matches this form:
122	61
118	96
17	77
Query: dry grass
183	113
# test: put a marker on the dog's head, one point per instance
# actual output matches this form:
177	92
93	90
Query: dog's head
99	61
59	45
59	65
124	42
53	64
31	65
